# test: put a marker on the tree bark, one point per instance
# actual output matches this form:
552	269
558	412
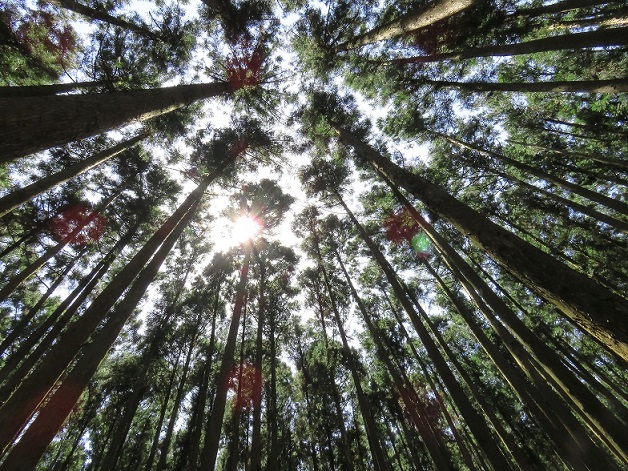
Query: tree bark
559	7
22	195
210	450
101	15
256	440
588	39
583	86
32	124
430	14
48	90
593	308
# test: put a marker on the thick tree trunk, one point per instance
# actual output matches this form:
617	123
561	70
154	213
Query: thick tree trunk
22	195
593	308
16	411
433	12
32	124
474	420
105	17
583	86
210	450
598	38
27	452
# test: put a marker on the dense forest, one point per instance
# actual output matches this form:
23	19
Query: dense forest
307	235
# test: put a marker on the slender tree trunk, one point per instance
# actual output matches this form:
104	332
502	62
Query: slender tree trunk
22	195
593	308
178	398
474	420
256	441
47	90
372	434
67	118
20	328
27	452
598	38
101	15
273	411
17	410
195	436
576	155
430	14
559	7
25	274
582	86
210	450
439	455
162	416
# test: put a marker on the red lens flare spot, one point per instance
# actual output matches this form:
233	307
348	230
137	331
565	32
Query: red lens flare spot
245	66
78	225
246	382
401	227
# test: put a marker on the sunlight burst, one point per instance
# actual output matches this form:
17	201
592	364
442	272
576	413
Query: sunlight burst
244	228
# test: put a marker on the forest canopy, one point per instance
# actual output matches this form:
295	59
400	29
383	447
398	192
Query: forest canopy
306	235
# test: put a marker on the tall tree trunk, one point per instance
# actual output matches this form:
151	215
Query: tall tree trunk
51	252
438	454
593	308
17	410
101	15
598	38
27	452
210	449
162	416
379	462
426	16
256	440
47	90
201	401
32	124
474	420
22	195
599	419
178	398
611	203
582	86
20	327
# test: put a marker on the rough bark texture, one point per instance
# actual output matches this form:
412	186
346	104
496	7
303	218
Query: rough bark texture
432	13
591	307
31	124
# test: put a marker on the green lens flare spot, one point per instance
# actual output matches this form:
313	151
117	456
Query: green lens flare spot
420	242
